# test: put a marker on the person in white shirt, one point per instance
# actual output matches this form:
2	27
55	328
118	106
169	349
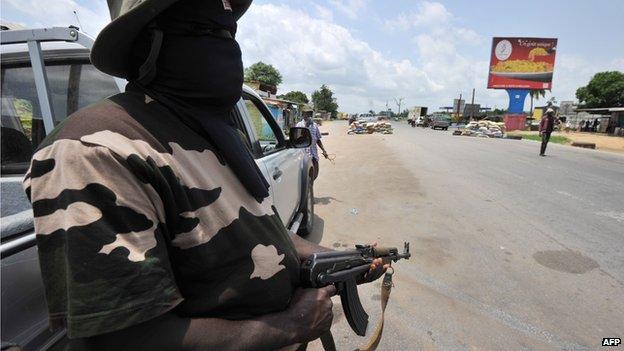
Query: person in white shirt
316	140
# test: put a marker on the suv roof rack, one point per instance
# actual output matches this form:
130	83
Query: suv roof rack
33	38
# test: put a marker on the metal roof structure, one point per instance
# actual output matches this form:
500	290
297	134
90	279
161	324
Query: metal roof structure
601	109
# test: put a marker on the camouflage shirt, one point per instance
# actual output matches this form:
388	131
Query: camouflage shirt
135	216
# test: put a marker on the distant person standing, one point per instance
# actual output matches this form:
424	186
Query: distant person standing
308	122
587	126
545	128
595	125
581	123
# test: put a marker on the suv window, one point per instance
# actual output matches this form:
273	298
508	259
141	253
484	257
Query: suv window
264	131
72	86
261	126
77	85
21	123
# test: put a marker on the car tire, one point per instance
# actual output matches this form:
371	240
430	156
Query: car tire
307	223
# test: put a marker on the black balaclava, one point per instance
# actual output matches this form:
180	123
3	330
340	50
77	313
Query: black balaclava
194	68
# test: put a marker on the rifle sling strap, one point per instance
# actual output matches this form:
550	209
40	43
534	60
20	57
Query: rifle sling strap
328	340
375	338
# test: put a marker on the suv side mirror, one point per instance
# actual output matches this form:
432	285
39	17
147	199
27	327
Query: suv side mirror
300	137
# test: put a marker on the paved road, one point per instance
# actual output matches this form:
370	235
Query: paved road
510	250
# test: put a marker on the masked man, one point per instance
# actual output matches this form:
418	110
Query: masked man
153	222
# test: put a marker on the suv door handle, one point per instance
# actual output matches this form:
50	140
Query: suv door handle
278	173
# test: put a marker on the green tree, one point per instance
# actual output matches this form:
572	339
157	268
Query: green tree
323	99
263	73
552	101
536	94
605	89
496	112
295	96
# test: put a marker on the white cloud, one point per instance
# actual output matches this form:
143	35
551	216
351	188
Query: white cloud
426	14
438	39
310	49
93	16
469	36
324	13
350	8
618	64
572	72
310	52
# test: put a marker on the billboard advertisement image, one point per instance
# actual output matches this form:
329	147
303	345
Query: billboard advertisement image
522	63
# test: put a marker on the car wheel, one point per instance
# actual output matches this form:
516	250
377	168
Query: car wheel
307	223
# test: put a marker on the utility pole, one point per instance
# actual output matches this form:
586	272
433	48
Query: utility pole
458	106
472	104
398	102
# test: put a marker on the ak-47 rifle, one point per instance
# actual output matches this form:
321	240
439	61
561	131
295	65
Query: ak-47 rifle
343	268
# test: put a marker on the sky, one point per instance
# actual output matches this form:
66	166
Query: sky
373	52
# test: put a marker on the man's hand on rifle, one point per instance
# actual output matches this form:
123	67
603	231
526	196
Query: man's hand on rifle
376	270
311	314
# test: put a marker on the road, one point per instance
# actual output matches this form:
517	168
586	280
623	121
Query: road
510	250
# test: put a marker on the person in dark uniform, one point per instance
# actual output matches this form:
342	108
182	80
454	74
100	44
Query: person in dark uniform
155	229
546	127
595	125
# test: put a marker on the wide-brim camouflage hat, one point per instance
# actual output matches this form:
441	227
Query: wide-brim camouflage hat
111	50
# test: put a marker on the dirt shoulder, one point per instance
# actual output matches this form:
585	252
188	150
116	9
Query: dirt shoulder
602	141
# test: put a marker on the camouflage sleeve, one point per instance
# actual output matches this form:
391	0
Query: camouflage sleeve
101	240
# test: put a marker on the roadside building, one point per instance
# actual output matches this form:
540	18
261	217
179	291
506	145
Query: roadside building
322	115
286	113
611	119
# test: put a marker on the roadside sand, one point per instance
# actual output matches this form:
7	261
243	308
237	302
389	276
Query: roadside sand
602	141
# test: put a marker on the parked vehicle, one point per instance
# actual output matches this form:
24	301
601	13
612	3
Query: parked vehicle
441	122
46	76
367	117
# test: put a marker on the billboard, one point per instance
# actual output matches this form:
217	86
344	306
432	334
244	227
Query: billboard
522	63
472	110
458	105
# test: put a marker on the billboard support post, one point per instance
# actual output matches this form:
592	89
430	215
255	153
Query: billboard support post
516	100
